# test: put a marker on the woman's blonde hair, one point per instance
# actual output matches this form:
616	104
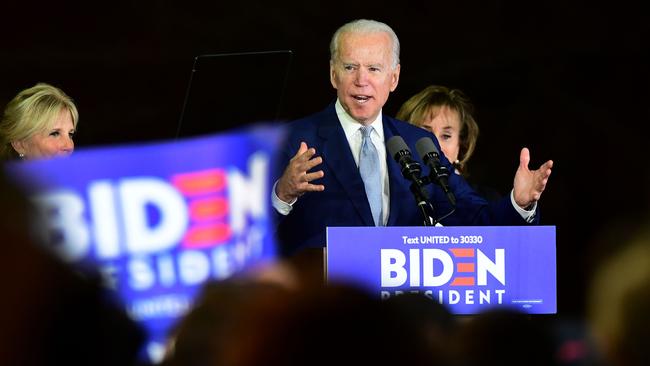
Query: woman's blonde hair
428	101
31	111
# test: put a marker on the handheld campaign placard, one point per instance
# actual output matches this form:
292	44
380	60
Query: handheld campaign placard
158	220
467	269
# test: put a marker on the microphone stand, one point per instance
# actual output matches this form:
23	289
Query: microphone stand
411	170
426	208
450	197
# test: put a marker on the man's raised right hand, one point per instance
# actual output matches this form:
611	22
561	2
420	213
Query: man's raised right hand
295	181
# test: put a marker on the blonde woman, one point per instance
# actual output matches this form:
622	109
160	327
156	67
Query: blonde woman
39	122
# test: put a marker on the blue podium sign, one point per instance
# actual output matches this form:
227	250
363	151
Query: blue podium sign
467	269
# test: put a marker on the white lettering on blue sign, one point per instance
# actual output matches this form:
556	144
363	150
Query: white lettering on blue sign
425	263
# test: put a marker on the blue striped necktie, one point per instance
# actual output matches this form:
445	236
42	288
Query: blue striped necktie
370	173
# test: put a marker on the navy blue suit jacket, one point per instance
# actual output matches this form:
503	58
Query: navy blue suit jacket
344	201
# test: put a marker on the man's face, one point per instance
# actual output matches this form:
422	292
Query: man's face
363	75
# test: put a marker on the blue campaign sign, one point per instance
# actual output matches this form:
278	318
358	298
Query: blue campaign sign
158	220
467	269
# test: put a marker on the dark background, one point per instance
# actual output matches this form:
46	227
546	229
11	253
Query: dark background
568	80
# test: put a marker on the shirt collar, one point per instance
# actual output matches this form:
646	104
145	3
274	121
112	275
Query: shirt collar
350	126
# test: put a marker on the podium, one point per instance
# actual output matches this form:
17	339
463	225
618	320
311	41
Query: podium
469	269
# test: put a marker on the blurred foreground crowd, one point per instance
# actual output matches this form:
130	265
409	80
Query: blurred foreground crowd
284	314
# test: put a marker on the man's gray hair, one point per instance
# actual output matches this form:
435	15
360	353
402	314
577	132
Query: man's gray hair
364	26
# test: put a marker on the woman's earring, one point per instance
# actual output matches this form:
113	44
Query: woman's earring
457	166
21	155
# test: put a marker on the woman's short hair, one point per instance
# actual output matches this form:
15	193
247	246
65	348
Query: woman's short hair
31	111
429	101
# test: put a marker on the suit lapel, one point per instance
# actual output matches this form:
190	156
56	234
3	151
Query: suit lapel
337	155
394	174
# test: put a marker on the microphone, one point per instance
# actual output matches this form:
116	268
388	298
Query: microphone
439	173
411	170
398	149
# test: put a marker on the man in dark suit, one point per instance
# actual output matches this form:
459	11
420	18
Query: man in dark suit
356	183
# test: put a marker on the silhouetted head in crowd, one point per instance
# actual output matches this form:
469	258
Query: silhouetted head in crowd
248	324
432	322
504	337
204	334
619	302
448	114
49	313
39	122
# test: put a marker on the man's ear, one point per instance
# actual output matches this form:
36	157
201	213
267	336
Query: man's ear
395	78
333	75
